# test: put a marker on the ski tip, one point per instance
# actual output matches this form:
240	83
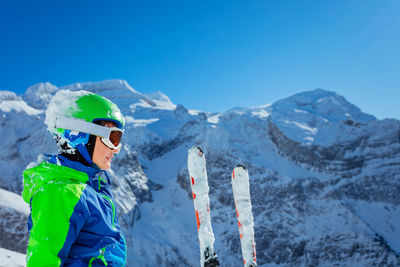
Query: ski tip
240	166
200	151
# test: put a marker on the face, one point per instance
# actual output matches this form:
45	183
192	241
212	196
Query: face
102	155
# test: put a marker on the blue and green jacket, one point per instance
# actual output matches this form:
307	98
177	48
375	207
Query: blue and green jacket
73	220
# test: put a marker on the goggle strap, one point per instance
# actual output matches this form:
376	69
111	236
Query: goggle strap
83	126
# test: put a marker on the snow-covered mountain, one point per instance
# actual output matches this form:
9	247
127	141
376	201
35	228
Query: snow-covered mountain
324	177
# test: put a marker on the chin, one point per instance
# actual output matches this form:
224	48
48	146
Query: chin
105	166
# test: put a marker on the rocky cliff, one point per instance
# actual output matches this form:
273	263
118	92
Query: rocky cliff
324	177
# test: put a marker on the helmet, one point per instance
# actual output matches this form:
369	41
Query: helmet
71	117
91	108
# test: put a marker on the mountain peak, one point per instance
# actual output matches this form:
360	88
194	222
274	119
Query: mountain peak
8	95
98	87
38	95
161	100
39	90
312	117
322	103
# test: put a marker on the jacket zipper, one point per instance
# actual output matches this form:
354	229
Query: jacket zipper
101	257
113	218
113	209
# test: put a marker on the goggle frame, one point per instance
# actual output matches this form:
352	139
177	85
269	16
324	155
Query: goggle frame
91	128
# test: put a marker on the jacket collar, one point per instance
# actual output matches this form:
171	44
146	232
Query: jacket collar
91	171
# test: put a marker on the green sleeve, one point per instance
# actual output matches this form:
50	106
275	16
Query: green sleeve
51	209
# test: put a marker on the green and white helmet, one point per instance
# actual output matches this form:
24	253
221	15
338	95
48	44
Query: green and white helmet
72	116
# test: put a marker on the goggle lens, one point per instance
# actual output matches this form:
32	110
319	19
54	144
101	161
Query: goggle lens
115	137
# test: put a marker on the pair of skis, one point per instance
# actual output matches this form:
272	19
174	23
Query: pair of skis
201	200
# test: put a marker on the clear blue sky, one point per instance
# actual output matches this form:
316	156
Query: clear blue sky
209	55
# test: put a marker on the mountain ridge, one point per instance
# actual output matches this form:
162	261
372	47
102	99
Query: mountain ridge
320	170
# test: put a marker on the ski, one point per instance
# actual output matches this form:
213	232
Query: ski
201	201
241	195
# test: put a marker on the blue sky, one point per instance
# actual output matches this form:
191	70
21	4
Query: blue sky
209	55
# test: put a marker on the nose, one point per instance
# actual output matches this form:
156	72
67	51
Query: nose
115	151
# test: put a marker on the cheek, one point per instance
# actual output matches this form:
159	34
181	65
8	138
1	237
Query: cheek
100	150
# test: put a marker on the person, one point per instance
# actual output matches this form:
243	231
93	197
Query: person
73	219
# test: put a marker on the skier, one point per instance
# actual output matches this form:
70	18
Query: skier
73	220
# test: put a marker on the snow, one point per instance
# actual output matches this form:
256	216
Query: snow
13	201
8	95
162	101
300	111
382	218
141	104
194	112
169	221
107	86
10	102
18	106
118	91
322	103
60	105
318	117
161	132
140	123
40	91
10	258
261	113
304	127
214	119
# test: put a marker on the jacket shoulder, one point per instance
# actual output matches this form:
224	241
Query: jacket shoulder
52	177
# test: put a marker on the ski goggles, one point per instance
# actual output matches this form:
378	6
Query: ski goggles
113	140
109	136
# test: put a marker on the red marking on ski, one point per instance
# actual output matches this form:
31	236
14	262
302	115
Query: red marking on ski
192	181
194	195
254	252
233	174
197	220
